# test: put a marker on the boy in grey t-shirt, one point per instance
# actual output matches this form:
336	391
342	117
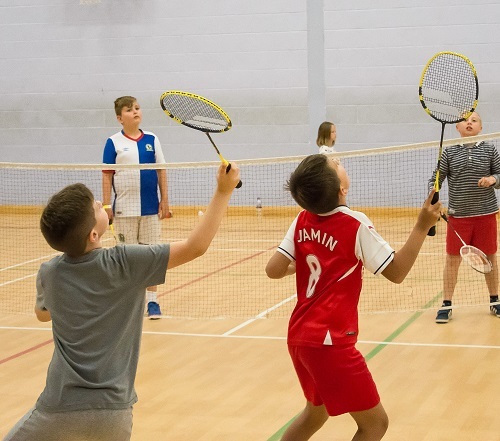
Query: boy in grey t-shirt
95	299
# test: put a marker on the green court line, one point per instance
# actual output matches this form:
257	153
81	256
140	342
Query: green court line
372	353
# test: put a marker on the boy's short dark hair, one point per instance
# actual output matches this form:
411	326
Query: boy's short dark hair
68	219
315	185
123	101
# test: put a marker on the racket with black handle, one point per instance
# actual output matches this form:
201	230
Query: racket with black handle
198	113
448	92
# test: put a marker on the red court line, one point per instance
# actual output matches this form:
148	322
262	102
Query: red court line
216	271
12	357
26	351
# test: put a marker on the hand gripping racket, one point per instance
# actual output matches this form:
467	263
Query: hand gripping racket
198	113
471	255
448	92
111	226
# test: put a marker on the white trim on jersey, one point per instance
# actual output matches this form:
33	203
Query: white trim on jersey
371	248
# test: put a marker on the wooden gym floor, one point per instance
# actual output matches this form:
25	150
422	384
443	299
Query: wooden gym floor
231	378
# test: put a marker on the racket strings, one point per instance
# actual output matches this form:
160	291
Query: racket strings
449	87
476	259
195	113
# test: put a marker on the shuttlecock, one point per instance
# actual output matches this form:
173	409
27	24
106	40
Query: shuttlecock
200	213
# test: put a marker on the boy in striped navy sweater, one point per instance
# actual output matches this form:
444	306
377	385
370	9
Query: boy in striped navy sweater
473	172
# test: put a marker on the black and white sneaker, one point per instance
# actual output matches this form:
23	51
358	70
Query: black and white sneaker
443	316
495	310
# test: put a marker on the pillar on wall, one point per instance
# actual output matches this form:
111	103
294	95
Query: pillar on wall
315	68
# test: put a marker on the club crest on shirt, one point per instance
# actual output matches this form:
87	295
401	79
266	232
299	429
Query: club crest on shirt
149	148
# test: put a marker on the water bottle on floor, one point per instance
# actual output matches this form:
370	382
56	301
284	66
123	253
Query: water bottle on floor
258	207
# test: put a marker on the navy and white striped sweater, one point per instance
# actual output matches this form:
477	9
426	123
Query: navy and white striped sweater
463	166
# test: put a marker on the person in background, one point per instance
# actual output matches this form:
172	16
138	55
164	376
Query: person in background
473	173
327	134
136	210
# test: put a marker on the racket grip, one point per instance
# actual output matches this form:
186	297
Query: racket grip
432	230
227	171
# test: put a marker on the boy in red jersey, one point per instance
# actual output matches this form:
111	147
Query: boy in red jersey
327	247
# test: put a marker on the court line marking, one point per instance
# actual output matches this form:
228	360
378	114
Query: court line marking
229	334
218	270
44	258
26	262
259	316
26	351
159	295
17	280
386	342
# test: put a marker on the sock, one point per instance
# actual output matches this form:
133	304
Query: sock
151	296
446	303
493	299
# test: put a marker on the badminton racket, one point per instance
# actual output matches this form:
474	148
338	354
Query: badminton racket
448	92
198	113
471	255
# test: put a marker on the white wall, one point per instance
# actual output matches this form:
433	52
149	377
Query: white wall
62	64
374	56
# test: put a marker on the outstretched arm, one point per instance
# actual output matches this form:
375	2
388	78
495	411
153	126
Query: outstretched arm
201	236
404	259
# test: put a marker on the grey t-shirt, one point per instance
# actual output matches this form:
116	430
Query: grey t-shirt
96	302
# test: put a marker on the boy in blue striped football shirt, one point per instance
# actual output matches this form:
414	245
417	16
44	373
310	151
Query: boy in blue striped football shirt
136	210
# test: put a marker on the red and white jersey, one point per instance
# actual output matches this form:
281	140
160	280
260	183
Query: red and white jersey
330	251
